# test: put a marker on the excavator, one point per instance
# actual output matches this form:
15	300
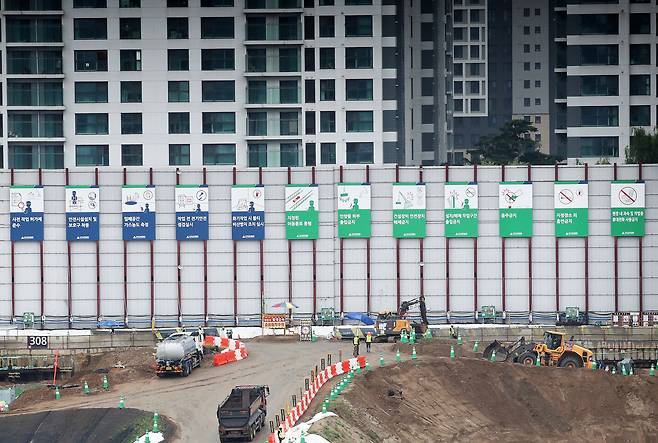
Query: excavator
553	350
390	324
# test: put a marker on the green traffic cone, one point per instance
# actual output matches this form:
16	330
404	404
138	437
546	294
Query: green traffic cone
403	336
594	365
147	437
537	361
459	339
57	395
413	353
652	370
302	439
122	402
397	356
475	346
367	366
358	369
106	383
630	371
428	334
86	389
493	356
156	417
452	352
324	408
381	359
623	369
614	371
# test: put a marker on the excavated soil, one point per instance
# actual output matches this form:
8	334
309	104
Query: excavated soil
470	399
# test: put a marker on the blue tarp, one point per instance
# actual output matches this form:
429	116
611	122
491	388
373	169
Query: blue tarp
110	324
363	318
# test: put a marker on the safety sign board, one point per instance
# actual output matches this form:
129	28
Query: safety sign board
191	202
409	209
26	213
515	209
461	209
82	213
627	208
354	210
248	212
138	211
302	206
571	203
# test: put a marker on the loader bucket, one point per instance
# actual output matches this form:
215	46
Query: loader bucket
501	351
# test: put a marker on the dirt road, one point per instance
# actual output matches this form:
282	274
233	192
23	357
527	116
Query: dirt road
191	403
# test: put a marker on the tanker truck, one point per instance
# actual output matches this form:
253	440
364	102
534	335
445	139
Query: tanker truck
179	353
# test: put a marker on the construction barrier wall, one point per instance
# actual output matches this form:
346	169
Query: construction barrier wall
72	285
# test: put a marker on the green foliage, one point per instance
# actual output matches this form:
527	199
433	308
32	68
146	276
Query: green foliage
643	148
512	145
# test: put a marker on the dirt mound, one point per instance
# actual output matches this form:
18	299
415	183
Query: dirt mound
469	399
81	425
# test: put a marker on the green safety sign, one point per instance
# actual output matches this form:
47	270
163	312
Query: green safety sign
571	204
627	208
515	209
461	209
409	219
302	206
353	210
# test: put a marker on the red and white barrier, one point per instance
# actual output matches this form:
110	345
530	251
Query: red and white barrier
321	378
231	350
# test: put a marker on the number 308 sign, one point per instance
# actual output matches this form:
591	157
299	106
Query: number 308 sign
37	341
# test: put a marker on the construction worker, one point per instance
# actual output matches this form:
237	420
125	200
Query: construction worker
368	341
280	434
453	334
356	345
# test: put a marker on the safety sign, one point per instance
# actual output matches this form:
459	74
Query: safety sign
515	209
26	213
571	203
302	206
191	202
138	211
248	212
82	213
461	209
353	210
627	208
409	209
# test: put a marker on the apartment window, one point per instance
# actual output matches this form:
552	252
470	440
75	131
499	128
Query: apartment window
310	154
327	90
130	3
216	3
359	153
476	15
177	28
458	69
257	155
327	26
218	122
309	59
427	59
178	59
130	28
526	102
309	27
35	124
327	58
179	122
256	123
92	155
90	61
179	155
358	58
537	29
288	59
130	59
326	2
178	91
90	3
288	123
427	31
458	87
288	91
91	124
526	84
537	66
474	34
327	121
131	92
32	92
360	89
35	5
537	48
131	123
218	91
309	91
640	115
640	24
458	105
217	59
328	153
538	102
219	154
34	156
458	51
640	54
475	52
599	85
473	87
131	155
640	85
359	121
599	116
34	61
90	29
537	83
88	92
427	114
358	26
598	55
257	91
526	49
593	24
217	27
177	3
427	86
33	30
357	2
526	12
599	146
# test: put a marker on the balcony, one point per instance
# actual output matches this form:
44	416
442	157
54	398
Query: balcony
272	127
273	64
274	96
272	5
273	32
36	6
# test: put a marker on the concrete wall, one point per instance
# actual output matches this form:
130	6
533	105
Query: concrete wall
383	257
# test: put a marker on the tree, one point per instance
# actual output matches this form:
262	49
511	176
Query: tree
643	148
512	144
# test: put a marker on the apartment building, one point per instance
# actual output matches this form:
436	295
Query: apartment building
217	82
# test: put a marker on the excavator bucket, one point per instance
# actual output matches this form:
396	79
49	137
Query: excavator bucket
501	351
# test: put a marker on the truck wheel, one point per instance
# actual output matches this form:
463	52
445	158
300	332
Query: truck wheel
528	358
252	433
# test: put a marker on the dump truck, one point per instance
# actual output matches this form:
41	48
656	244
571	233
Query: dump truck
179	353
554	350
242	414
390	324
